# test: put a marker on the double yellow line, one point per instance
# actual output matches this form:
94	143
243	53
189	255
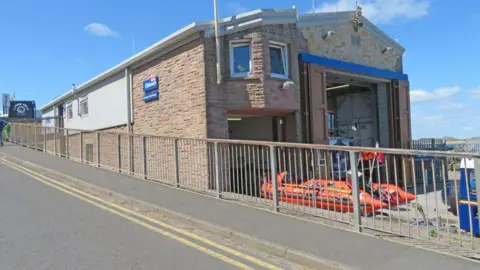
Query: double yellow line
137	219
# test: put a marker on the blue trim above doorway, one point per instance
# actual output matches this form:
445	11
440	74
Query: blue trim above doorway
351	67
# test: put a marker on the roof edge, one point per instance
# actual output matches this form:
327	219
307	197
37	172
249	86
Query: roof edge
246	18
165	42
228	25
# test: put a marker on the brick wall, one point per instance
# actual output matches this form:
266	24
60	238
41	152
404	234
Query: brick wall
181	108
259	91
181	111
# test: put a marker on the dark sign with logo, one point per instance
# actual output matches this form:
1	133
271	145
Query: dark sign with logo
22	109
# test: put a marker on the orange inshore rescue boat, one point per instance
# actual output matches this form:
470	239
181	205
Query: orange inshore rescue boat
389	194
336	198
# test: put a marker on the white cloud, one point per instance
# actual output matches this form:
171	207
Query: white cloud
439	93
100	30
433	118
237	7
451	106
469	128
381	11
475	92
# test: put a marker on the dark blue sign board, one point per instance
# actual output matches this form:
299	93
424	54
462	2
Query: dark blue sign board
150	84
153	95
22	109
150	89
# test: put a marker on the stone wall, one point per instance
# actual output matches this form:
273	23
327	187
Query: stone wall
345	46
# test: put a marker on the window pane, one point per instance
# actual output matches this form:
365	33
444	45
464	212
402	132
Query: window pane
241	59
276	61
85	107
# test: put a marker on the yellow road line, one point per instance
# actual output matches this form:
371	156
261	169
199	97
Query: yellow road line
155	221
139	222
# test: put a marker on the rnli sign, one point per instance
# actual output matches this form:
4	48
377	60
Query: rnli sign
150	89
150	84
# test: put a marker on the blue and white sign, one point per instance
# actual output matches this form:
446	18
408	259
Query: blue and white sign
150	84
153	95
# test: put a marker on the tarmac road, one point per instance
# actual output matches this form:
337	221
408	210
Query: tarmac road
43	228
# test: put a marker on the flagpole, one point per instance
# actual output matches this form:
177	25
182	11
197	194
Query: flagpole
217	43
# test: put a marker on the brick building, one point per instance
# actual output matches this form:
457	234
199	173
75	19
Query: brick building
281	73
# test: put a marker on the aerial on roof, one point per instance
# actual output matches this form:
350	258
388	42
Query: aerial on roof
226	26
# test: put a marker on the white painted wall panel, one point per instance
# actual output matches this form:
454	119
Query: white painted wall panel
48	122
107	105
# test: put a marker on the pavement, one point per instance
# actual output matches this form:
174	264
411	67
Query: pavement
351	249
41	228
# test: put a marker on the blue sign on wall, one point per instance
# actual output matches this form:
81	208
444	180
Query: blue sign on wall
153	95
150	89
150	84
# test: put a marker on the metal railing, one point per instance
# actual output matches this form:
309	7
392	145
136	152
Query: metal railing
368	189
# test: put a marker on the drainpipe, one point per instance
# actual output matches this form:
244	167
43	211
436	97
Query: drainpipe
129	119
129	105
217	43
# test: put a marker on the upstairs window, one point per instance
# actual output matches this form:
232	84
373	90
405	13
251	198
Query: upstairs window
278	60
69	112
240	59
84	107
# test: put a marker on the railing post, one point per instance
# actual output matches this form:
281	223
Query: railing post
129	153
477	181
55	140
357	214
26	138
98	149
176	163
67	144
35	137
273	168
119	153
45	139
218	183
22	134
144	156
81	146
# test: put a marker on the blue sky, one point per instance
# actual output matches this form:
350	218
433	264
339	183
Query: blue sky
48	45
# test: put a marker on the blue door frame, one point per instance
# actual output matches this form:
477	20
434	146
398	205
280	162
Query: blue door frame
351	67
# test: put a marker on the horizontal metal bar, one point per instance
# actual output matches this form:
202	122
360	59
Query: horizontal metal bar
412	152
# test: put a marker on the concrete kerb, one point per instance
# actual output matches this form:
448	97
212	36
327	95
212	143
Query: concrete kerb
274	249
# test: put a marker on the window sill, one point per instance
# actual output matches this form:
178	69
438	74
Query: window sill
279	77
246	78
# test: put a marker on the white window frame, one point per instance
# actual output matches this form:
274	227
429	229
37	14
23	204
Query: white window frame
235	44
82	113
67	108
284	48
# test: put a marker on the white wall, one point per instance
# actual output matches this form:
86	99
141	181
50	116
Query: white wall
107	105
48	122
